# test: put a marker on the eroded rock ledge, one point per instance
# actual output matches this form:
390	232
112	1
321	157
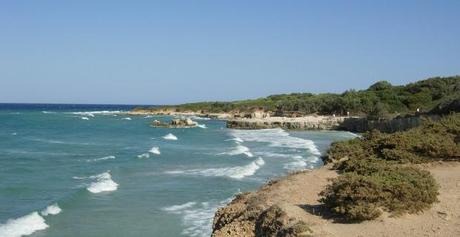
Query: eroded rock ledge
298	123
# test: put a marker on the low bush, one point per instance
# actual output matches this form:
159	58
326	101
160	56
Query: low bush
395	189
378	172
434	140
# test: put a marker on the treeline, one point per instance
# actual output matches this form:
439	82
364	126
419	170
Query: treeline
379	100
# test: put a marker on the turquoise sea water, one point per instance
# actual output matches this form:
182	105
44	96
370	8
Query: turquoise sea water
80	171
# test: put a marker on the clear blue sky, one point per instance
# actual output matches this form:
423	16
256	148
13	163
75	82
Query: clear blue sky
163	52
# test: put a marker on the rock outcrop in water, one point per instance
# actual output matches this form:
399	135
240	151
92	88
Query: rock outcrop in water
175	123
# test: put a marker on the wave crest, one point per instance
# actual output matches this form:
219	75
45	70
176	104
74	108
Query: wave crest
51	210
102	158
24	225
102	183
143	156
238	150
170	136
237	172
276	137
196	217
155	150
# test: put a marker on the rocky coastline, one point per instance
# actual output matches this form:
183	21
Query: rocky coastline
297	123
266	120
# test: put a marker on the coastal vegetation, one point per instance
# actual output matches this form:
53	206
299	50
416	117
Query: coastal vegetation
381	172
380	100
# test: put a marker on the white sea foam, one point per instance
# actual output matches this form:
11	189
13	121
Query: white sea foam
236	139
143	156
237	172
273	154
48	141
170	136
198	118
127	118
178	208
102	158
92	113
48	112
196	217
51	210
238	150
276	138
300	163
85	118
201	125
155	150
57	141
22	226
102	183
14	134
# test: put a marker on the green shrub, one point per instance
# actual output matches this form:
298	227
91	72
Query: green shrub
377	171
434	140
395	189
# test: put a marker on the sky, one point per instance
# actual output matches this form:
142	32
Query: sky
169	52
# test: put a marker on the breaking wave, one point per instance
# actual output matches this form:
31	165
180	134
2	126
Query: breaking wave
178	208
276	138
143	156
127	118
102	158
170	136
102	183
196	217
300	163
155	150
201	125
24	225
237	172
236	139
85	118
92	113
198	118
238	150
51	210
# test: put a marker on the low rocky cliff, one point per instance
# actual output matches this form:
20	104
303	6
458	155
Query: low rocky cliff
299	123
352	124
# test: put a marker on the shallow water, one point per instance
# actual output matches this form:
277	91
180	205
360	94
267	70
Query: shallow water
68	171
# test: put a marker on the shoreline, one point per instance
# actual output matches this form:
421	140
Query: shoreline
259	121
279	206
355	124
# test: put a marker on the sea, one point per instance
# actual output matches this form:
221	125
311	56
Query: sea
90	170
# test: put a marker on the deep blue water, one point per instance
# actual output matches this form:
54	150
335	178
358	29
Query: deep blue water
98	172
